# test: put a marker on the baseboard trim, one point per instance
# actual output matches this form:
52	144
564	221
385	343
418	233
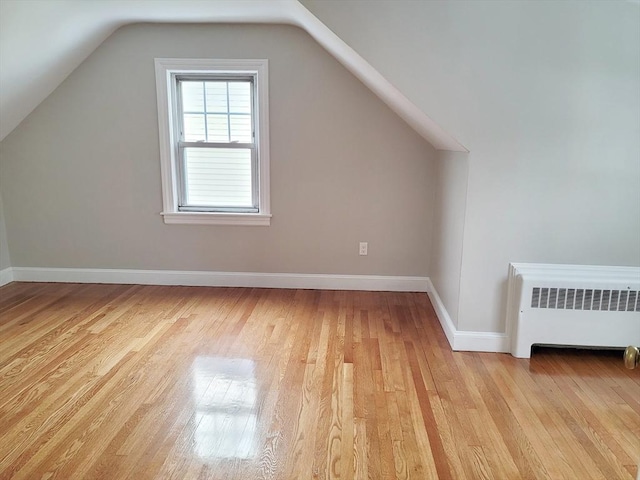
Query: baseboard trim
441	312
6	276
463	340
222	279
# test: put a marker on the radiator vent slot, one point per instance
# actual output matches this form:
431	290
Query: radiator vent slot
586	299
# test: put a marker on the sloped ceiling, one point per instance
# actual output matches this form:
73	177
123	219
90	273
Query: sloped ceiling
43	41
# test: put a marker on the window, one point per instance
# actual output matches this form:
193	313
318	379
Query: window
214	142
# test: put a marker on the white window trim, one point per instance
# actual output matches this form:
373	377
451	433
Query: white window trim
165	68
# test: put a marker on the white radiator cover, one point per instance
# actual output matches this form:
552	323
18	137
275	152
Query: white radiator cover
573	305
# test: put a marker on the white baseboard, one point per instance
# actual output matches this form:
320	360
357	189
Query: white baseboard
441	312
222	279
6	276
466	341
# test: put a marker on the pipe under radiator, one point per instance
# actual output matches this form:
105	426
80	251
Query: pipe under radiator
631	357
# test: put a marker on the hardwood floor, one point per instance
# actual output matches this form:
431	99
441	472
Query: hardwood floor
117	381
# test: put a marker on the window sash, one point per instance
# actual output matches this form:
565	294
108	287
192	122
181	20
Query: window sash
180	112
185	206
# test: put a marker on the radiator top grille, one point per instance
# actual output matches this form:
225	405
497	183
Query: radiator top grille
586	299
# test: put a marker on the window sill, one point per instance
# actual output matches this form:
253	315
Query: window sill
210	218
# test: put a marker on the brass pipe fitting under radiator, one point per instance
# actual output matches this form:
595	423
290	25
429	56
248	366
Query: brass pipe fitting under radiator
631	357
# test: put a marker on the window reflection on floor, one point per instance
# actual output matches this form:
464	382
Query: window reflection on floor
224	393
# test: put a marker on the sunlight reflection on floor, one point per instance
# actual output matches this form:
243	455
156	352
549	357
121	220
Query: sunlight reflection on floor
224	394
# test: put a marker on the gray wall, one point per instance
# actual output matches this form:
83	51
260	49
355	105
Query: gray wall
546	97
80	177
451	175
5	259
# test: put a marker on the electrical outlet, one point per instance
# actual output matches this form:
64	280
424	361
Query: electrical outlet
364	246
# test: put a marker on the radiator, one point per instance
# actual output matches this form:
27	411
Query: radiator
572	305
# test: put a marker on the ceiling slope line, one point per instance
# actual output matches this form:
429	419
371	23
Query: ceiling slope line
424	125
108	19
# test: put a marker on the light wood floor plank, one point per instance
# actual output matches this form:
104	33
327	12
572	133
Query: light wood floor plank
149	382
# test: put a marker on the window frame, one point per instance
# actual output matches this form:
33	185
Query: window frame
167	70
182	144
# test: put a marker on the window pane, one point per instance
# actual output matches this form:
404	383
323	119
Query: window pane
239	97
216	97
218	128
194	130
240	128
192	96
218	177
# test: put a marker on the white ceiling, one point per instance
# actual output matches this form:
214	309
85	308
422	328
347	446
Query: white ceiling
43	41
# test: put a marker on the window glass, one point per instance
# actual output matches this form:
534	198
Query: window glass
216	111
218	177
